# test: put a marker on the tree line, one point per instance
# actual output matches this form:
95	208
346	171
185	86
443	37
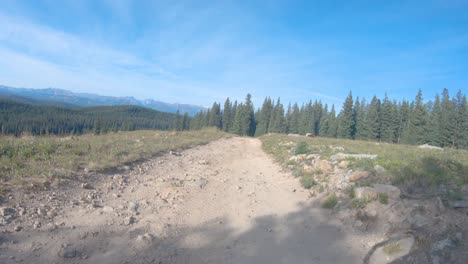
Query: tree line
18	118
440	122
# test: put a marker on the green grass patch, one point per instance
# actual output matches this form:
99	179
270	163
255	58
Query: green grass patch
405	165
392	248
307	181
359	203
330	202
301	148
383	198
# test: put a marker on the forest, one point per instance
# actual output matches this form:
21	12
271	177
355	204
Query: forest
442	121
18	118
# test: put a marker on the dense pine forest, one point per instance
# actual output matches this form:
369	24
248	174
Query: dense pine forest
439	122
18	118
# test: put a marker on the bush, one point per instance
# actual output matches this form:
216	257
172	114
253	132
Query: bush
307	181
383	198
330	202
359	203
301	148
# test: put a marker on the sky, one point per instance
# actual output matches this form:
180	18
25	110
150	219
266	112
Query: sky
198	52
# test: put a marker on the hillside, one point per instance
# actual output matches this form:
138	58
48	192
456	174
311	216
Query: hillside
17	118
67	98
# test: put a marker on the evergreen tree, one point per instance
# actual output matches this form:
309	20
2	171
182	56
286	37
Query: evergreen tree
388	121
417	124
324	126
226	120
346	122
372	120
359	119
332	123
264	116
215	116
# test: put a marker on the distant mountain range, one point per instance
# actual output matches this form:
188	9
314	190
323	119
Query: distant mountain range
60	97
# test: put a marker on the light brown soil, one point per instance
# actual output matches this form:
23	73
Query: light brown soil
225	202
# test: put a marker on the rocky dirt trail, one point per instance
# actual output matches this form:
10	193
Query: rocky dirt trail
224	202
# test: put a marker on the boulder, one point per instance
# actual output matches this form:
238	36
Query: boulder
357	175
342	156
392	251
417	221
67	251
308	169
343	164
427	146
298	158
367	193
379	169
391	191
324	166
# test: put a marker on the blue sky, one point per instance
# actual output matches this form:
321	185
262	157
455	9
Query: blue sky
203	51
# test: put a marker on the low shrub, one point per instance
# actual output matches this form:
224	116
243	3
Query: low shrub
330	202
308	181
383	198
301	148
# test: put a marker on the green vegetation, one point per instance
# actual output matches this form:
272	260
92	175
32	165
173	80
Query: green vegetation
308	181
442	122
18	118
42	158
383	198
403	164
301	148
359	203
392	248
330	202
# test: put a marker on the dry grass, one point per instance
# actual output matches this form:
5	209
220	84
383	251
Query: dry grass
32	158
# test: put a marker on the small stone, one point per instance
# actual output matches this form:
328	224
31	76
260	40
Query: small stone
129	220
18	228
4	211
108	209
133	206
36	224
379	169
86	186
144	241
343	164
67	252
358	175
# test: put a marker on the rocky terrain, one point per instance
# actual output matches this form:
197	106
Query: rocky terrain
227	202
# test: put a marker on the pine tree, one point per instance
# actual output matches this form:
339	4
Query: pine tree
447	124
264	116
372	120
332	123
387	121
324	122
434	135
417	124
278	122
215	116
237	123
346	122
226	119
360	116
461	121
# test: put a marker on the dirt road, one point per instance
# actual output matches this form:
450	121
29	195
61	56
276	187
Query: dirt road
225	202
